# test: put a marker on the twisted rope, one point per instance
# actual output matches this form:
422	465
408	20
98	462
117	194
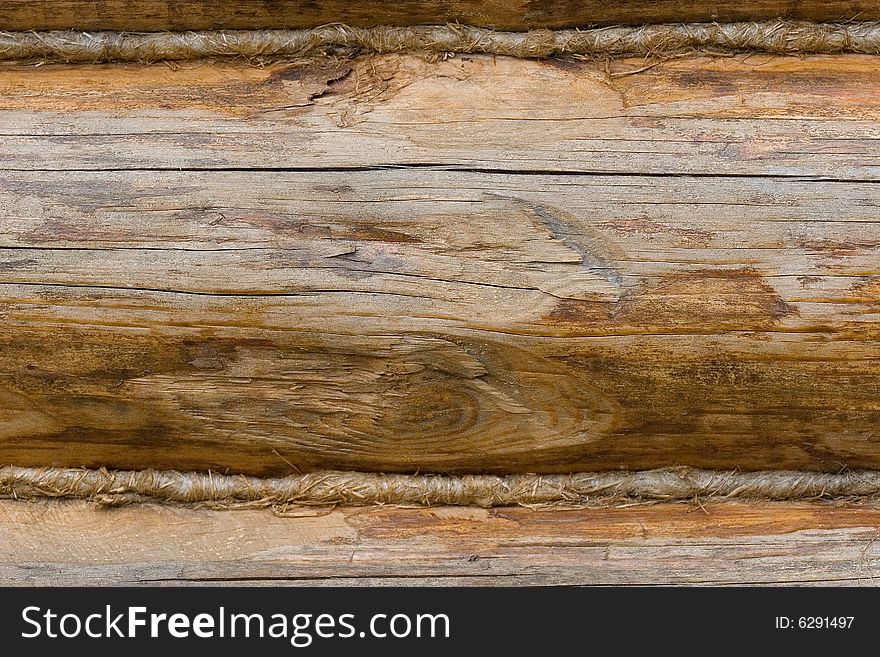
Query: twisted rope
360	488
777	37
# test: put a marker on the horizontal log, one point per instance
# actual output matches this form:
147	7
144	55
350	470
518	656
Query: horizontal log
157	15
72	543
465	266
403	321
738	116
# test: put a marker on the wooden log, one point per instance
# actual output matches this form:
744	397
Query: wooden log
157	15
464	266
739	116
71	543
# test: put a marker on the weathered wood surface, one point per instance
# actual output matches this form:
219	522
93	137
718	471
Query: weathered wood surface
742	116
71	543
157	15
473	265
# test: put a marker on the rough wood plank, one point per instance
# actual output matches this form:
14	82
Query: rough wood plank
437	321
760	116
71	543
174	295
157	15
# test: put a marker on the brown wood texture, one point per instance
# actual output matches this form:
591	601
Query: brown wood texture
157	15
471	265
71	543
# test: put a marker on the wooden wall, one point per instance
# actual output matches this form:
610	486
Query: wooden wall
478	264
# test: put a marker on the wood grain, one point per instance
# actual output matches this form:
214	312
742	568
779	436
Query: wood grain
738	116
465	266
157	15
71	543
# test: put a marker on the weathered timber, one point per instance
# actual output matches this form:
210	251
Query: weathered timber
465	266
158	15
742	116
72	543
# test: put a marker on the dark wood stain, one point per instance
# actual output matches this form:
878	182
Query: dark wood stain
159	15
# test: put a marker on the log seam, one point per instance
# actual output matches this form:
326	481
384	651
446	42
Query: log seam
779	37
329	488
